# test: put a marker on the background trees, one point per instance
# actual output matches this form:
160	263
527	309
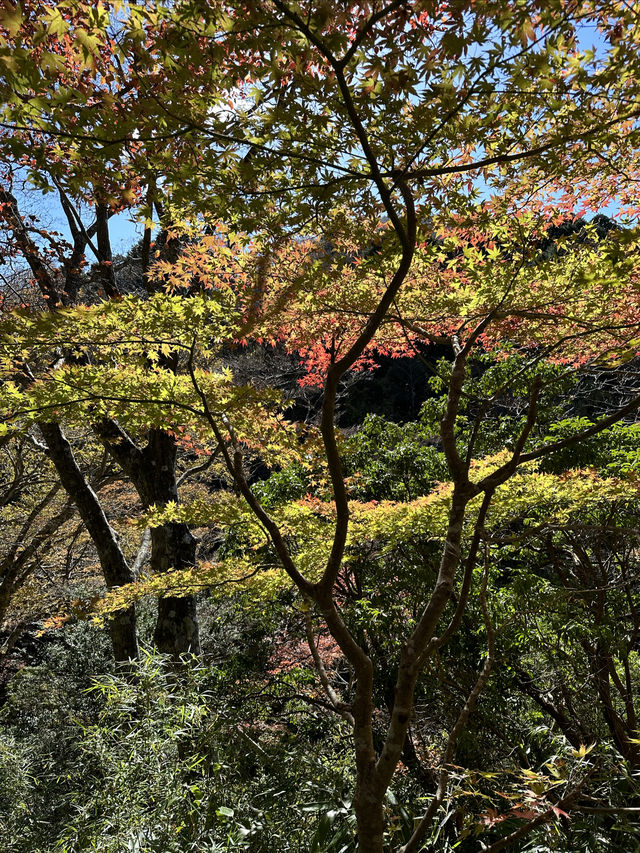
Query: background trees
344	182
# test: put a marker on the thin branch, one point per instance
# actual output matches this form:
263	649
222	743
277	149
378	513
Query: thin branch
337	704
143	551
235	468
198	469
498	159
478	535
600	425
461	722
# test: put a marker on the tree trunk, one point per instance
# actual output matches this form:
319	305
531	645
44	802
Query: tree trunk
116	571
152	470
176	633
368	806
124	639
600	661
173	547
122	627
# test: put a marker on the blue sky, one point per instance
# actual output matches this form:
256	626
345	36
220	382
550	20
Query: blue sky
125	232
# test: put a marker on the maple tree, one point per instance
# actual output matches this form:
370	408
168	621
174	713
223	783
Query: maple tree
388	173
55	55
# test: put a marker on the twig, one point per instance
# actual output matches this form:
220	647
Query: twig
335	700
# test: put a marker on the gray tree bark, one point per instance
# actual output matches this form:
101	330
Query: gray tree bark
116	570
152	471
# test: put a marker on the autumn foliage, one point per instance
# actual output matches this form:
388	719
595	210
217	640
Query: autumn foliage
338	185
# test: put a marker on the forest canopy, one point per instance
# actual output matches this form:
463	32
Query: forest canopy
320	501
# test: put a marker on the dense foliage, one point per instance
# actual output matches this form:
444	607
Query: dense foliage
343	614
